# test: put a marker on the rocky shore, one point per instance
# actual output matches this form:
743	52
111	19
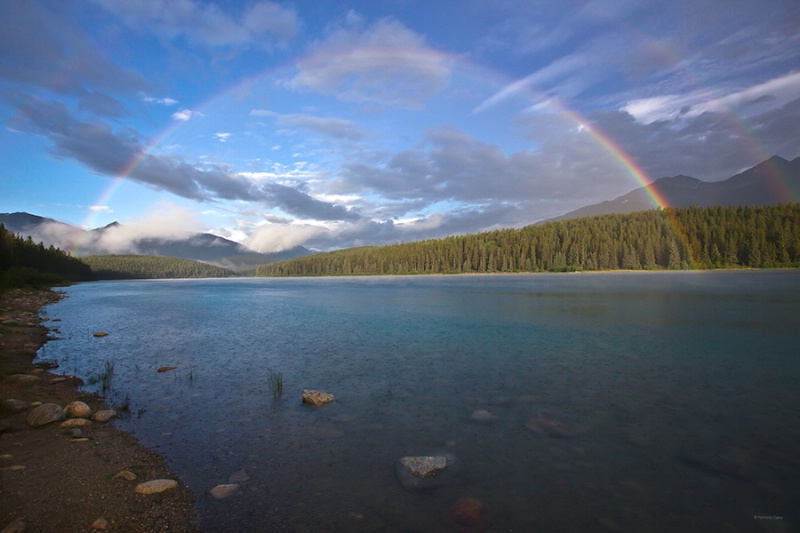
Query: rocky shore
76	472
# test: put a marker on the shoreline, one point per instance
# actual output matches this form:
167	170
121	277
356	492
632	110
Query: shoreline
56	479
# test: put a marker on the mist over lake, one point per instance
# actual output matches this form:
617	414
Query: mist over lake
648	401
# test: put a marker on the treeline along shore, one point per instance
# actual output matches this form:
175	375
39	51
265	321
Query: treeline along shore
661	239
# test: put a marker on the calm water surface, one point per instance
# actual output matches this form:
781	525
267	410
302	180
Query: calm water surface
675	396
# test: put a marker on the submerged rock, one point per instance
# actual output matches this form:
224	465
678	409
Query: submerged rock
166	368
315	397
469	512
45	414
78	409
240	476
100	334
226	490
547	425
425	472
155	486
483	416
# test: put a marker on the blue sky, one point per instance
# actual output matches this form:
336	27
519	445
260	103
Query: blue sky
336	124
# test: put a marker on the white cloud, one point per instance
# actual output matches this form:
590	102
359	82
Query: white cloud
101	208
767	95
162	101
186	114
223	136
274	237
386	64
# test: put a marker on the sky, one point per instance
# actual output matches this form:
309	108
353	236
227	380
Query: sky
345	123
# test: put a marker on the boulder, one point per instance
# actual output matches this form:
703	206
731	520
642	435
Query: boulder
155	486
104	415
45	414
315	397
78	409
226	490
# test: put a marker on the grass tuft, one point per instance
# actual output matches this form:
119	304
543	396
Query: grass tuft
275	380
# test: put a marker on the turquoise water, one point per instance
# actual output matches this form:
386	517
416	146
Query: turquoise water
675	395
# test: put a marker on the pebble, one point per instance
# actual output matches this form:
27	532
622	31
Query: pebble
24	379
100	523
15	467
240	476
155	486
14	406
100	334
6	457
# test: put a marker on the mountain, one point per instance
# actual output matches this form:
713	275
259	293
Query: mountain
764	184
114	239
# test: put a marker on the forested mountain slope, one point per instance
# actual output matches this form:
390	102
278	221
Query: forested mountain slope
684	238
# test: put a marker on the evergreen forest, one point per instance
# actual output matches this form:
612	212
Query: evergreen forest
151	267
24	262
661	239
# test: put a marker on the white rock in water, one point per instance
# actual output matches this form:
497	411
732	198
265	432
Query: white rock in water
45	414
315	397
78	409
225	490
425	472
104	415
155	486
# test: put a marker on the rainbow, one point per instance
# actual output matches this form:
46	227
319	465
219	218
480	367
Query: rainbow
432	60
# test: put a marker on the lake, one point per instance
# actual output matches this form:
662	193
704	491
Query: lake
660	401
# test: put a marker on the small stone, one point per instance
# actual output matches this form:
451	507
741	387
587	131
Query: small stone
315	397
100	523
35	404
125	474
14	406
15	467
75	433
75	423
79	439
166	368
220	492
155	486
78	409
104	415
424	466
24	379
45	414
57	380
100	334
6	457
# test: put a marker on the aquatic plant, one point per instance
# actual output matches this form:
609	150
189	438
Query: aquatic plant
106	375
275	381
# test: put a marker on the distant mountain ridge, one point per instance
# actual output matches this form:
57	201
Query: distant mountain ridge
204	247
763	184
